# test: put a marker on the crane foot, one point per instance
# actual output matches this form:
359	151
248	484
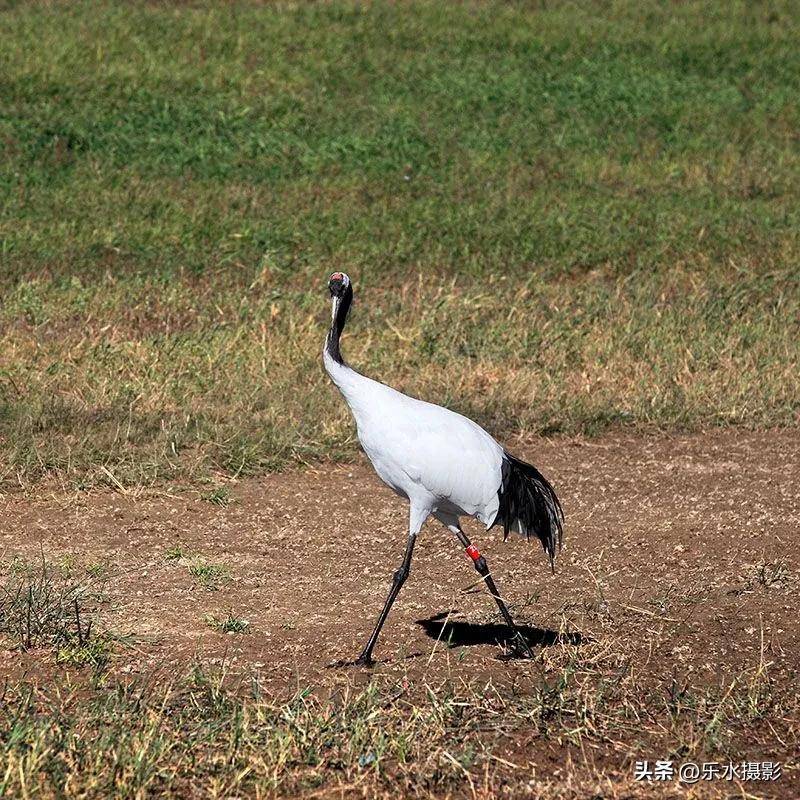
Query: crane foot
521	647
359	662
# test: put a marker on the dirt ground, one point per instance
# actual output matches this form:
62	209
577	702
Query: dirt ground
683	548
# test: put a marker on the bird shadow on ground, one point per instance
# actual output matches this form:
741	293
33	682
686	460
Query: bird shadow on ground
455	633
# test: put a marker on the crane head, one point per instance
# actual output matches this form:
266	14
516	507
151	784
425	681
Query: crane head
338	283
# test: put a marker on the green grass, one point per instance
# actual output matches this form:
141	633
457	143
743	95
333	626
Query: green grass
558	219
221	496
174	553
228	624
209	575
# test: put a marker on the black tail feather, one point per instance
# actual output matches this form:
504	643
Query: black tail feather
529	503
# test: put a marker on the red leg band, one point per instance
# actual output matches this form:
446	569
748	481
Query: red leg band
473	553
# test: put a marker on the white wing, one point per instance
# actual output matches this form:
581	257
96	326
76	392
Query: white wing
454	459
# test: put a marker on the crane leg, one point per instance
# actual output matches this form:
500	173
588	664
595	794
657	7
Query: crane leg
398	579
479	561
418	513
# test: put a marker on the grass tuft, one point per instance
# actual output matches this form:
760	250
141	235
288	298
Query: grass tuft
208	575
229	624
221	496
42	607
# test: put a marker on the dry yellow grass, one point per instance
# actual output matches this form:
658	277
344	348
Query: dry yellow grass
183	378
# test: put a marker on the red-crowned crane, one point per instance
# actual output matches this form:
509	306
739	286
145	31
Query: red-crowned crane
444	464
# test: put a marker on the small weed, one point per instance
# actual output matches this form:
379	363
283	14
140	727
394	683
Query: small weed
765	575
220	496
174	553
230	624
209	575
18	566
95	652
96	570
771	574
66	565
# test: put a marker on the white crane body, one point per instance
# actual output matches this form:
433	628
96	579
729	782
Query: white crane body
443	463
438	459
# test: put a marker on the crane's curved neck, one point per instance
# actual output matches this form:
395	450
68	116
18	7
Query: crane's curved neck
340	307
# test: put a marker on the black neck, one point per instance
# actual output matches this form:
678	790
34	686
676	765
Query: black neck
342	306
